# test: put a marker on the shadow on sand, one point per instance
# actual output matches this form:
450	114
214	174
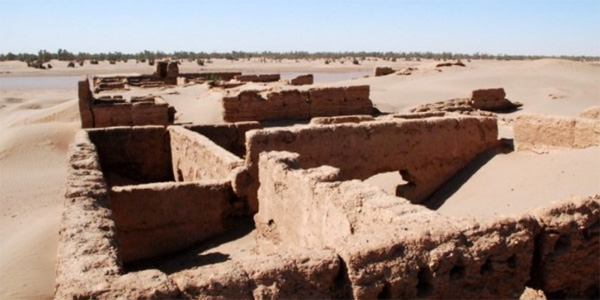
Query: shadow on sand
437	199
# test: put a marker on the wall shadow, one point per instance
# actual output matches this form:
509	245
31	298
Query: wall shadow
439	197
197	255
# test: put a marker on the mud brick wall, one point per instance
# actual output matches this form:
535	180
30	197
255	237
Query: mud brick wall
308	274
258	78
139	153
96	114
394	249
232	137
108	115
225	76
488	99
85	100
294	104
161	218
302	80
341	119
540	133
195	157
427	152
88	260
150	113
382	71
391	248
567	249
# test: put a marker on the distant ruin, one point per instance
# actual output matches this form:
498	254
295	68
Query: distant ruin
141	193
296	104
486	100
258	78
303	80
117	111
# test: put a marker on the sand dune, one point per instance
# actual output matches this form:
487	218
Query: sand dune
37	125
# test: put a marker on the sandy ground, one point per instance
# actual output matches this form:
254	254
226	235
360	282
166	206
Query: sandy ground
37	123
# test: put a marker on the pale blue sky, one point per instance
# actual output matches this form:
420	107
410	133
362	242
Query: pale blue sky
560	27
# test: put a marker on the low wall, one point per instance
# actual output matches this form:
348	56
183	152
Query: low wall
160	218
382	71
97	113
393	249
225	76
141	154
540	133
309	274
341	119
232	137
302	80
258	78
426	152
294	104
195	157
88	260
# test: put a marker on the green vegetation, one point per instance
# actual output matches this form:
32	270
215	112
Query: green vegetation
44	56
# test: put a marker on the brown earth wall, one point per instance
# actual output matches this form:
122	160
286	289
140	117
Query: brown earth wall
119	114
139	153
88	255
393	249
160	218
232	136
540	133
309	274
427	152
302	80
195	157
294	104
258	78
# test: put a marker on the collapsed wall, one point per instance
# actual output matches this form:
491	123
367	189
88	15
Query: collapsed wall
540	133
295	104
426	152
393	249
116	111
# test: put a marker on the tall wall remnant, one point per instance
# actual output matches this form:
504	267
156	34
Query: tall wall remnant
302	80
294	104
258	78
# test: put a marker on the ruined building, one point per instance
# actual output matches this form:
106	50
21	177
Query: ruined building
140	196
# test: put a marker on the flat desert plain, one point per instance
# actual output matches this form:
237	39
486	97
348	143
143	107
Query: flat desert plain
39	118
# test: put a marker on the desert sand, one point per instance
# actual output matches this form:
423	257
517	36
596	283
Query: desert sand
39	117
